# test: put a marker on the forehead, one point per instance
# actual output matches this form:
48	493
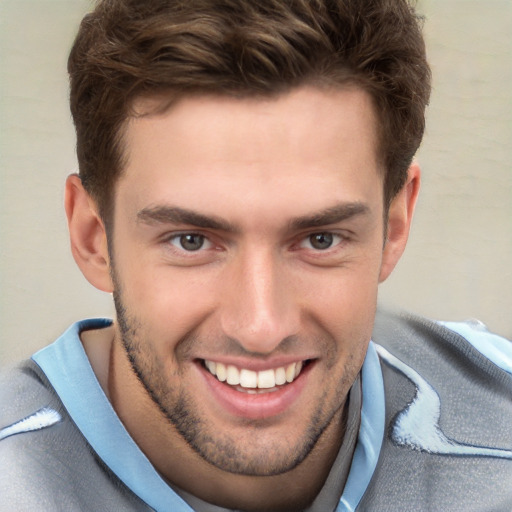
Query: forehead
204	148
290	112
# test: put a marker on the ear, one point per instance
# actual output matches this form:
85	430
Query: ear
87	235
399	221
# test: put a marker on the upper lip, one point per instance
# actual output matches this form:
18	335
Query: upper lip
256	365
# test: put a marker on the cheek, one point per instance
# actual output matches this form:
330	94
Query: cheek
168	301
351	289
345	306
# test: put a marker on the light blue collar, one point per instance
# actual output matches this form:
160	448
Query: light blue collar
67	367
371	433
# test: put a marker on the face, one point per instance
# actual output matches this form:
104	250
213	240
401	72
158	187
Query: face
246	253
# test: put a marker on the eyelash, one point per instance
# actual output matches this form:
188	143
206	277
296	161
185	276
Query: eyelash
335	238
178	238
176	242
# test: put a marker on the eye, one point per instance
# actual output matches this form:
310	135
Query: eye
321	241
190	242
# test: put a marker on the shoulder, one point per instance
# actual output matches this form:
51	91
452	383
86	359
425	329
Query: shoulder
422	341
448	401
30	412
23	391
463	367
46	463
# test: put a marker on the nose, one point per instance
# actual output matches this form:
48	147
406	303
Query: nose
259	307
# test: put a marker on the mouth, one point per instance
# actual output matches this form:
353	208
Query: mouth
256	382
254	393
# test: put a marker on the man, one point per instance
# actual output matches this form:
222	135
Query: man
246	182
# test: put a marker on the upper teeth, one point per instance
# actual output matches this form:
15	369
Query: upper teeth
264	379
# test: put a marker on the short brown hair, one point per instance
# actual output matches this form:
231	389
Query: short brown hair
131	48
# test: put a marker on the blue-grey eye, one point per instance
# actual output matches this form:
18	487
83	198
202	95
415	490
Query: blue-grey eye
191	241
321	241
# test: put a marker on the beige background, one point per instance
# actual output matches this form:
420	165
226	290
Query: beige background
457	265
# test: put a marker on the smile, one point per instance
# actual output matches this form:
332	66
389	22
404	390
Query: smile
252	381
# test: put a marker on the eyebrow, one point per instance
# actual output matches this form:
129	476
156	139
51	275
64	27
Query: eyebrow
175	215
338	213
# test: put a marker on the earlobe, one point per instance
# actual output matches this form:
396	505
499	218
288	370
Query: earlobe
400	216
87	235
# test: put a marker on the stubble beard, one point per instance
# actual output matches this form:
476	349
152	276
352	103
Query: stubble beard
222	450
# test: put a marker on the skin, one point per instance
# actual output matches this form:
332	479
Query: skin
258	179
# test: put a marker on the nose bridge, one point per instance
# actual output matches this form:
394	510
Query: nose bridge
259	310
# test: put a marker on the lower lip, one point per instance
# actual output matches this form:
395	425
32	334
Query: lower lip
259	405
